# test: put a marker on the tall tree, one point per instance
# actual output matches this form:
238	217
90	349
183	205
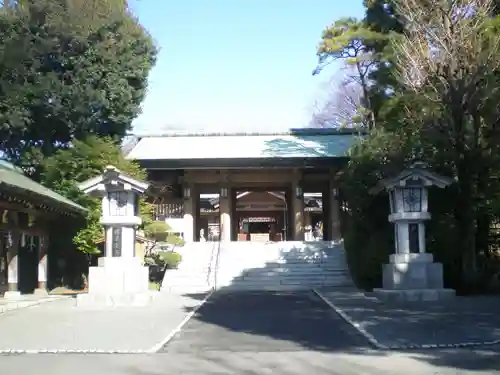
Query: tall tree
434	91
64	75
449	57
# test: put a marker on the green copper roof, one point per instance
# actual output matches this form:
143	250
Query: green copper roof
13	178
300	143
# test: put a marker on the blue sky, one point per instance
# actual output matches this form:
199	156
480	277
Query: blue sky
235	64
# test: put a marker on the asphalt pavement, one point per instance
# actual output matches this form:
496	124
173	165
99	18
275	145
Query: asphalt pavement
266	322
263	333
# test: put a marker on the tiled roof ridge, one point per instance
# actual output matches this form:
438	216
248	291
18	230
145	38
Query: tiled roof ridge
291	132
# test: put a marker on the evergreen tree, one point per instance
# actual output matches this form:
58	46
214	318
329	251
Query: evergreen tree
68	69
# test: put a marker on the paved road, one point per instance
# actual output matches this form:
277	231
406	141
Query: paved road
61	325
266	322
472	319
262	333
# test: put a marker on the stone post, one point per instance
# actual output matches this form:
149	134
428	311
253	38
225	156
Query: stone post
298	217
225	214
297	208
13	240
189	208
42	265
334	211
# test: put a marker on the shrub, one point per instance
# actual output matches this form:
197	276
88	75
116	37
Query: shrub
151	260
171	259
172	239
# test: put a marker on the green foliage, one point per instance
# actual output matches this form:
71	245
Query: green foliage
445	120
168	259
367	233
171	259
157	230
350	39
67	72
151	260
173	239
86	159
154	285
87	237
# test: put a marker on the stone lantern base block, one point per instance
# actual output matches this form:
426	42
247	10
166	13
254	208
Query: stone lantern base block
117	281
412	271
411	278
414	295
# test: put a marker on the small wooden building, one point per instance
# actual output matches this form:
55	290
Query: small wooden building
28	211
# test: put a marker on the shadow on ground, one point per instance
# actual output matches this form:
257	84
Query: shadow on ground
269	321
284	321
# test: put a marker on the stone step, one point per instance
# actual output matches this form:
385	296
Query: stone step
191	276
291	279
289	285
259	267
263	273
193	284
189	270
186	290
289	276
185	281
194	261
262	276
193	270
186	276
328	280
325	282
295	273
237	288
279	286
298	270
248	269
277	263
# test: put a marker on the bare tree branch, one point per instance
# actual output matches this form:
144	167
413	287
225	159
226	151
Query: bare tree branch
446	45
342	103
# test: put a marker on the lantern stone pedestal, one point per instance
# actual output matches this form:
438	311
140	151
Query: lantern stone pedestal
412	275
119	278
117	282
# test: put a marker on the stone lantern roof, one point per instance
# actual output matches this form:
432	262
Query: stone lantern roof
112	176
416	172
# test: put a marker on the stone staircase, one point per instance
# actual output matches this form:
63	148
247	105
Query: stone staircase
236	266
281	266
195	270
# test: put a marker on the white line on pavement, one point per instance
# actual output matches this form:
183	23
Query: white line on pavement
171	335
377	344
347	318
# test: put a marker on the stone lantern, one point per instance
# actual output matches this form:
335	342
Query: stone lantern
412	274
120	278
